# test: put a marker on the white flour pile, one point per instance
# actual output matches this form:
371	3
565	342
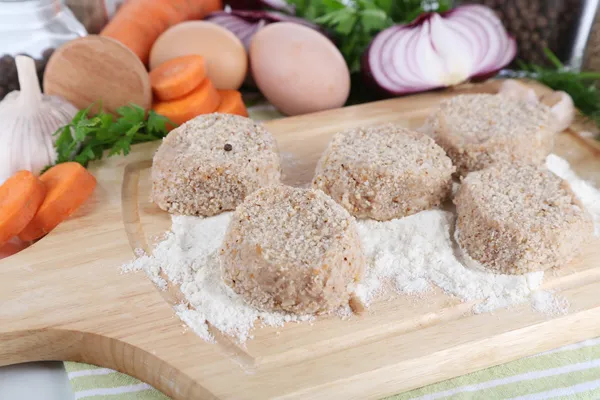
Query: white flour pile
417	251
411	253
189	257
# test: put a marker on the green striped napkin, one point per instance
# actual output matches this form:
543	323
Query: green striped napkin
571	372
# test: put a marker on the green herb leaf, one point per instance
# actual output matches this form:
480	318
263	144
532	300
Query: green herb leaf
82	114
157	124
385	5
133	130
84	127
132	113
373	19
122	145
87	137
353	24
106	120
63	143
86	155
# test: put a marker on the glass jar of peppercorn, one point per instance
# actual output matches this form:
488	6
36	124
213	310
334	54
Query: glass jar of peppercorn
563	26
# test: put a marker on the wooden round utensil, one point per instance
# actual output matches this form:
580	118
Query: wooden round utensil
97	69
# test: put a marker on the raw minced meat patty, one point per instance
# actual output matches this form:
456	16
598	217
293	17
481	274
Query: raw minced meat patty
477	130
293	250
211	163
384	172
518	218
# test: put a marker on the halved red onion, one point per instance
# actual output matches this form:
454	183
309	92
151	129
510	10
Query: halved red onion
245	23
439	50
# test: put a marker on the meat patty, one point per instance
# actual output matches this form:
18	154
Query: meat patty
384	172
211	163
293	250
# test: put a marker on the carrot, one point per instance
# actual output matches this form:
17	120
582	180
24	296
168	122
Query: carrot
232	103
13	246
177	77
68	186
133	38
138	23
20	198
203	100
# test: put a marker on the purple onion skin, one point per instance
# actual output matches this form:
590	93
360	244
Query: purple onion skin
245	4
368	78
260	5
254	16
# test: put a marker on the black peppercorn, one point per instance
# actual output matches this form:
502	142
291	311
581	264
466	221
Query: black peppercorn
228	147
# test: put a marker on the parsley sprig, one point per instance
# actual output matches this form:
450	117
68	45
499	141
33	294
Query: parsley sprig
87	137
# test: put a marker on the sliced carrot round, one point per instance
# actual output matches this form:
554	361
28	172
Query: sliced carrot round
68	186
20	198
232	103
203	100
177	77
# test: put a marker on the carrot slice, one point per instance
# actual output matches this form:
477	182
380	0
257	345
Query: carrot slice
68	186
203	100
177	77
232	103
20	198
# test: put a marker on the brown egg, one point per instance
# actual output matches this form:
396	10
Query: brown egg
226	58
298	69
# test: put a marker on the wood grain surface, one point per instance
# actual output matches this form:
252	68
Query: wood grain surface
94	68
64	298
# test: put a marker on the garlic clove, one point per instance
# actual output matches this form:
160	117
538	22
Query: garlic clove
516	90
29	120
562	108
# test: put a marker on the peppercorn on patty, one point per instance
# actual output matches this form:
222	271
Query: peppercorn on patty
292	249
211	163
518	218
477	130
384	172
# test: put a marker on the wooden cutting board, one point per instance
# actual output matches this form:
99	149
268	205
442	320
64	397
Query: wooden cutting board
64	298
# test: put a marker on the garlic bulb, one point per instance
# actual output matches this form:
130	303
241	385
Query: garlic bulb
28	120
517	91
562	108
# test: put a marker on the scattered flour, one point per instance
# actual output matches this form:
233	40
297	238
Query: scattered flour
189	257
417	251
549	303
412	253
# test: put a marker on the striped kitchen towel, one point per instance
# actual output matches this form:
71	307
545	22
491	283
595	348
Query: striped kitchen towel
571	372
90	382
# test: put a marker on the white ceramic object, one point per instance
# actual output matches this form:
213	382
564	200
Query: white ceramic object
32	26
